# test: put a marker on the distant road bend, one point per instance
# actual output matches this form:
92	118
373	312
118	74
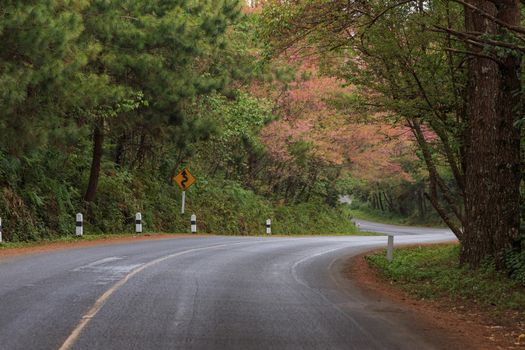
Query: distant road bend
203	293
369	226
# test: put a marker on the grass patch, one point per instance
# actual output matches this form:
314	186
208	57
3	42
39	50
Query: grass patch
433	272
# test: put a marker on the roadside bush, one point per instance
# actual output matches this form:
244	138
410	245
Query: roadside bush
42	204
515	261
312	218
224	207
434	272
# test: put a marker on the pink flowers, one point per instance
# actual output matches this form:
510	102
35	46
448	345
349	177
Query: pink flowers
370	149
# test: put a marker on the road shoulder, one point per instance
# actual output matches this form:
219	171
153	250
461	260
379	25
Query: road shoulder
468	328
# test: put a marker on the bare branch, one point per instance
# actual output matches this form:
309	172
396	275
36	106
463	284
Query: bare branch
382	13
472	53
434	176
443	214
477	40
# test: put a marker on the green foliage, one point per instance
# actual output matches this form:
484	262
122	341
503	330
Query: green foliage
434	272
515	263
39	195
235	142
225	207
39	59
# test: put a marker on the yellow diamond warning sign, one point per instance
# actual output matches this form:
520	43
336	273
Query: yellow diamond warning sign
184	179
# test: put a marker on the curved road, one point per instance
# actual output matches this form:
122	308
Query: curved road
203	293
396	230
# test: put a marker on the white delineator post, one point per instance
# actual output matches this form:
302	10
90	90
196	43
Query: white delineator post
138	223
390	249
183	202
79	229
0	230
194	224
268	227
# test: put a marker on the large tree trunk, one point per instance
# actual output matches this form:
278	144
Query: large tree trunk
98	141
493	154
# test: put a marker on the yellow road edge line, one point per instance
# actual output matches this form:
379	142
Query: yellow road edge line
99	303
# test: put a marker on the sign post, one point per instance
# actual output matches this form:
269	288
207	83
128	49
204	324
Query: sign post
390	248
184	179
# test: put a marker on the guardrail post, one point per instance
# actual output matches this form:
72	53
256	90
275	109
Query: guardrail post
138	223
269	227
390	249
79	230
194	224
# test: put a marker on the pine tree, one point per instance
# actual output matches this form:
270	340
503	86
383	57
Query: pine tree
39	60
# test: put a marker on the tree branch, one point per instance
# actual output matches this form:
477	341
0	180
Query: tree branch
492	18
476	40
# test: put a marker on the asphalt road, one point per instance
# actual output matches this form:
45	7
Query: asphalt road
203	293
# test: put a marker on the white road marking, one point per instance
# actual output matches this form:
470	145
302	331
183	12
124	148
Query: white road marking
99	262
99	303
